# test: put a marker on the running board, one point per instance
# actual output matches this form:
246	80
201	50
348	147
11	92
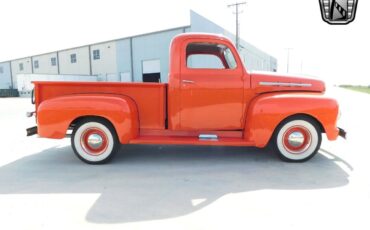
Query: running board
223	141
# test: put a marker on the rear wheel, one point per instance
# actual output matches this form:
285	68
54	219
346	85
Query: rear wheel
94	141
297	139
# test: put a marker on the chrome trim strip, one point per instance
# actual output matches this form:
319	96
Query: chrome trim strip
286	84
188	81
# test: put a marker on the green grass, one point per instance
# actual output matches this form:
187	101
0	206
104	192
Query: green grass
363	89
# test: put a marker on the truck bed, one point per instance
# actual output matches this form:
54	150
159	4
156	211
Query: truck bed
149	97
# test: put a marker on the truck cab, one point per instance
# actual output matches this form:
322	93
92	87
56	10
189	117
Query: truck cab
210	80
210	99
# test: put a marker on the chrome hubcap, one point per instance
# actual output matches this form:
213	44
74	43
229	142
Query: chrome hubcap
296	139
95	141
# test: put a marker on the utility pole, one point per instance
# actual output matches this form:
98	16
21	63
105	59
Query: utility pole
301	65
288	58
237	12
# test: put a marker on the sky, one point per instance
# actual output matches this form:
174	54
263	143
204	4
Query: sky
336	54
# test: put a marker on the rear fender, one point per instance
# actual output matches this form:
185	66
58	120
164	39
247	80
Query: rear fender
54	116
267	111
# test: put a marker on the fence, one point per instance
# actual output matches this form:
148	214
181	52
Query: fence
9	93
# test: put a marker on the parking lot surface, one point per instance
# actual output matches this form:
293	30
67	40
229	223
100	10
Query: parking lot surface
44	186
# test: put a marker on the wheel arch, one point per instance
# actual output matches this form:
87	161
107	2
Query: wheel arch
297	116
84	118
300	116
57	115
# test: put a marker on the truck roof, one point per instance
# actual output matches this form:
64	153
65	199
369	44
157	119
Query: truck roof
186	36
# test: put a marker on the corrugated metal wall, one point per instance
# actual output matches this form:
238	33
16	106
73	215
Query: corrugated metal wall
44	64
122	59
81	65
5	76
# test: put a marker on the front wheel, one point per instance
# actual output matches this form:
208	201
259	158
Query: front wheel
297	139
94	141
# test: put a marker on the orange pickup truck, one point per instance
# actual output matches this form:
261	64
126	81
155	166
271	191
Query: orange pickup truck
228	106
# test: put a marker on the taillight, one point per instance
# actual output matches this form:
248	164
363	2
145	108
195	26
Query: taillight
33	96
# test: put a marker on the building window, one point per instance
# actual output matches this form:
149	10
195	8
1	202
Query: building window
21	67
73	58
96	54
36	64
53	61
1	69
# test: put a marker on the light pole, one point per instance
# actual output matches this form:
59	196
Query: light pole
237	12
288	58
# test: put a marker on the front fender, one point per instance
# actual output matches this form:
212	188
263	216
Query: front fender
54	116
267	111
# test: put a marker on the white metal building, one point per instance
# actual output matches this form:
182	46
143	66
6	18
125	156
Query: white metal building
137	58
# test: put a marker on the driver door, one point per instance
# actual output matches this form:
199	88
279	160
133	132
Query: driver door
211	96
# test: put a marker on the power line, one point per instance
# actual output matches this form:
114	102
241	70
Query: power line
237	12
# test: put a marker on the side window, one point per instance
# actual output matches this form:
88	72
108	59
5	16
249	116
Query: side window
204	61
209	56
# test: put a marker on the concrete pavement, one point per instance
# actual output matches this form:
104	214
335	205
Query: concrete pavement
44	186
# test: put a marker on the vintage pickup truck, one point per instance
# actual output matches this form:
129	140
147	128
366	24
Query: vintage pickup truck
202	104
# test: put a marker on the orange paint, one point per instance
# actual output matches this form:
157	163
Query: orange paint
55	115
242	108
268	110
149	98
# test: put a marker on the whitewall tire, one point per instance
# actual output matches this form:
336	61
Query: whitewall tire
94	141
297	139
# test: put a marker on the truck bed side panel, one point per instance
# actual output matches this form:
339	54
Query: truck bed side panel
149	97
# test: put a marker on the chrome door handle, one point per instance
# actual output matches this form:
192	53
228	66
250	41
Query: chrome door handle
188	82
